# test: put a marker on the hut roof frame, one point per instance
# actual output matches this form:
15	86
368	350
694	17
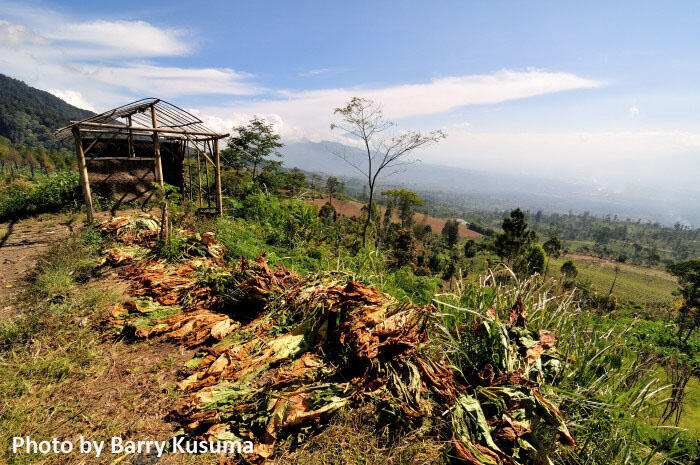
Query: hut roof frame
173	121
154	118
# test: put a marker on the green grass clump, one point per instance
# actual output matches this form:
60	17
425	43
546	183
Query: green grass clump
610	392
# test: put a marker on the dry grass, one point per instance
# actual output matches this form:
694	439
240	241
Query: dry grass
351	439
60	377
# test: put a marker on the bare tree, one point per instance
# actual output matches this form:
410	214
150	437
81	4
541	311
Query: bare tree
364	119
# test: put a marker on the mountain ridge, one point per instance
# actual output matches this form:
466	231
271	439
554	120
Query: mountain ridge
478	189
28	116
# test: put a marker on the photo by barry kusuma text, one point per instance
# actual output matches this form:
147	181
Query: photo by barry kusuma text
118	445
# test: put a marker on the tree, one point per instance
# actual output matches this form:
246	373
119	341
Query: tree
612	286
535	260
404	248
255	145
553	249
688	275
654	256
569	270
405	199
332	186
515	240
295	179
364	120
388	212
470	248
450	232
327	213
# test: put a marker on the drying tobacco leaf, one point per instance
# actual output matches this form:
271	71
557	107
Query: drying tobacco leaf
280	353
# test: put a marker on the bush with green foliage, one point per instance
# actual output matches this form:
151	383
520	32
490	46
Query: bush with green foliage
569	270
42	193
535	260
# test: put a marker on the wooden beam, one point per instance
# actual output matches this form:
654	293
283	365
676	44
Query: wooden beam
125	130
206	173
199	177
88	124
206	157
217	167
82	168
189	169
124	158
131	139
159	172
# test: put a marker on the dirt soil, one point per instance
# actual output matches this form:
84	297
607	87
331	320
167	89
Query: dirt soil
352	208
136	386
22	242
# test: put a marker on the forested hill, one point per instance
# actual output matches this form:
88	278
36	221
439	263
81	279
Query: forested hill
28	116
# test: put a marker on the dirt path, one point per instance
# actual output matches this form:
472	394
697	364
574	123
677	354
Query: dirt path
22	242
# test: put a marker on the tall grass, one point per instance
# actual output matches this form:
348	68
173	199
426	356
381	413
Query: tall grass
608	392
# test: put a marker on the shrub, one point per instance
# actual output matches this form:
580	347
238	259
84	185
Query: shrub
45	193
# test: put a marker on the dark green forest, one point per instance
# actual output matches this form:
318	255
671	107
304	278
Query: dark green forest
28	116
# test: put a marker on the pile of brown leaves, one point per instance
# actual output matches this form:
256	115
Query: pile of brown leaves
278	354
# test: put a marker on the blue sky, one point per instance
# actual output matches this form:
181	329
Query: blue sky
601	90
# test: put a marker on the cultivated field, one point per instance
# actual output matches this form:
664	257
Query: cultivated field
634	283
353	208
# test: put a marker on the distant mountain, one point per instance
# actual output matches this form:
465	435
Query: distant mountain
472	189
28	116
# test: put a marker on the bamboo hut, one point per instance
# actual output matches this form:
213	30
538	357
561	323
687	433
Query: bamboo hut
124	150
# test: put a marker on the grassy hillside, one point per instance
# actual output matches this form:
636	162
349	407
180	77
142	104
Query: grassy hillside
634	283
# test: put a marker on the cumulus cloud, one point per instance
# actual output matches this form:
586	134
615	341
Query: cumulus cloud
109	61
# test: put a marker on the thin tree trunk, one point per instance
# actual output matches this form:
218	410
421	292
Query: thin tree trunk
613	284
369	215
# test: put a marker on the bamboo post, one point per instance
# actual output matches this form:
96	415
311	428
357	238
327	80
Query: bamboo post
217	161
206	172
159	173
82	169
189	169
132	152
199	180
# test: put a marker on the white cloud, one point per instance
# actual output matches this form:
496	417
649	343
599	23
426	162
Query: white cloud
149	79
121	38
315	72
14	35
461	125
312	110
443	94
73	97
79	55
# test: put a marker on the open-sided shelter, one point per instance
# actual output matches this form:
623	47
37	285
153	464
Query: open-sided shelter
124	150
